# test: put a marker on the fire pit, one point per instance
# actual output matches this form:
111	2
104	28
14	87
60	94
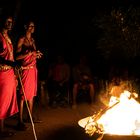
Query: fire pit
117	137
120	120
114	137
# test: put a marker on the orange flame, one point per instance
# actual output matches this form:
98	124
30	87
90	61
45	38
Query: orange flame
121	119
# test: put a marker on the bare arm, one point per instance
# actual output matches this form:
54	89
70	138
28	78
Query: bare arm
19	49
3	61
38	54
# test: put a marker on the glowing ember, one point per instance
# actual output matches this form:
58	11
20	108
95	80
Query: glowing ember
122	117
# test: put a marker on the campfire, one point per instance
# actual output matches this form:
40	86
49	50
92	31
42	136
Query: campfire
121	117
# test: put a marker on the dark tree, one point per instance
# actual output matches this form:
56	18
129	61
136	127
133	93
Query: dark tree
120	34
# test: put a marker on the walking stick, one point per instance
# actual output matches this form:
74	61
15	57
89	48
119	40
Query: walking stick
30	115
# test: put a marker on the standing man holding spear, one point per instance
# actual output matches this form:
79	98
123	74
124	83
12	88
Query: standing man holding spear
8	100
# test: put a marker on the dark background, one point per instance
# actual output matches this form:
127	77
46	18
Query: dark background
63	27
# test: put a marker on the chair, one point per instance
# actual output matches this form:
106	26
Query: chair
83	91
60	95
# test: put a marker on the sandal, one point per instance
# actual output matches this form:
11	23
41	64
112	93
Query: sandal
6	134
37	121
34	120
21	127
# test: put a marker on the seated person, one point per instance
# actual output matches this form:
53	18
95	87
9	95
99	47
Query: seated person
58	80
82	78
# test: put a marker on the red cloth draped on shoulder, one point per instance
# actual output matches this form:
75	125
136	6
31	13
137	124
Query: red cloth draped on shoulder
8	100
29	76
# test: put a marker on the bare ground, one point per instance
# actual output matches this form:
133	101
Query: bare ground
58	124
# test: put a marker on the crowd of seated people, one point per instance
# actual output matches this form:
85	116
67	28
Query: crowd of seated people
65	82
77	82
71	84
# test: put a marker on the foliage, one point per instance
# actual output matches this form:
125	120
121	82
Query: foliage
120	33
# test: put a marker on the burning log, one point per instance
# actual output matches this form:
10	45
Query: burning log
92	126
123	111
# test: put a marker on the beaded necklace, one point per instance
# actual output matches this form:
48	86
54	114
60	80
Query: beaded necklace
9	43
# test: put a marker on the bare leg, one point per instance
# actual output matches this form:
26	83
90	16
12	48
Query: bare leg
31	106
91	92
21	126
4	133
1	125
31	103
21	111
75	91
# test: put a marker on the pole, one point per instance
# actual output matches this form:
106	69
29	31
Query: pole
30	115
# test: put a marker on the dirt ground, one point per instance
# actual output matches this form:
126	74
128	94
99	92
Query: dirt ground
59	123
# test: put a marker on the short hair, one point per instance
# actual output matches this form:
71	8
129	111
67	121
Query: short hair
27	21
3	19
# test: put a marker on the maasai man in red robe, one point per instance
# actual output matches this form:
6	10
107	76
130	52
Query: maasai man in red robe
8	100
27	54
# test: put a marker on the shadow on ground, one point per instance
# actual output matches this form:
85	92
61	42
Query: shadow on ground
67	133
